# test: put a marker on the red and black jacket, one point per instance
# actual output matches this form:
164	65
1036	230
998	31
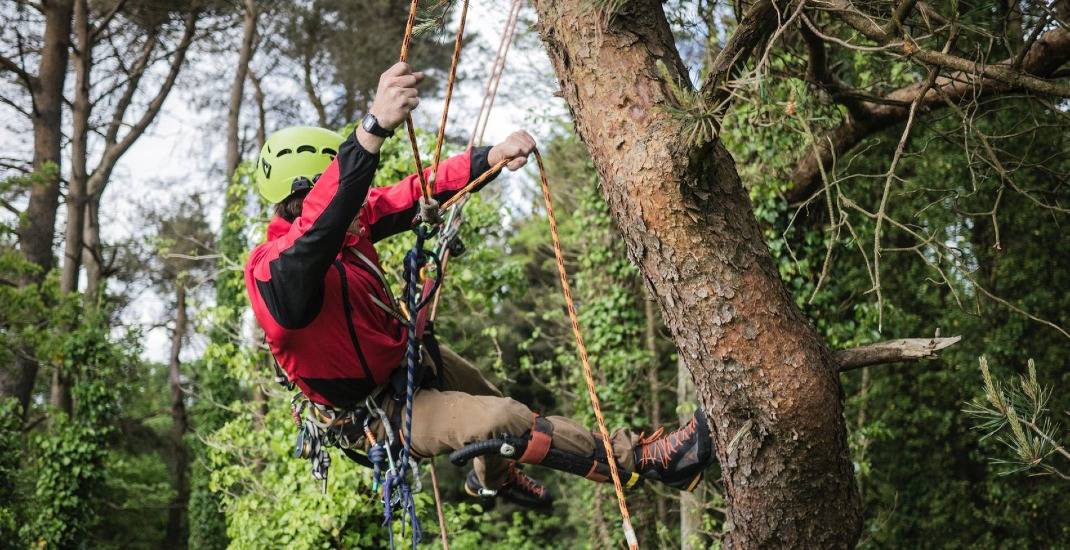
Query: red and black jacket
315	296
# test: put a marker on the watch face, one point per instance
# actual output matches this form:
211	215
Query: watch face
369	122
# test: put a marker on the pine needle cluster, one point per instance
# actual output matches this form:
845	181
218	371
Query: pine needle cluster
698	115
1016	414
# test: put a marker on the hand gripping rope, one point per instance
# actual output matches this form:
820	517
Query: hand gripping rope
396	489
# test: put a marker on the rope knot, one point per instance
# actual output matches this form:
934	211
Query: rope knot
430	212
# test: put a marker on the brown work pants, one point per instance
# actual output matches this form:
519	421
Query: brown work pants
469	408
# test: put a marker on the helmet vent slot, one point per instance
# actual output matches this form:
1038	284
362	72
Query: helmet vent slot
306	149
283	152
329	151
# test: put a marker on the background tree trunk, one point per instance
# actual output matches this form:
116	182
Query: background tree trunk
237	89
176	534
37	231
763	374
650	339
81	109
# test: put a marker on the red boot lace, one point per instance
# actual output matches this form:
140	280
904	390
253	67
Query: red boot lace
658	448
520	479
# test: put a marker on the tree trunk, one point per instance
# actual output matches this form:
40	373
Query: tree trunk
93	252
661	510
764	376
38	228
237	89
175	535
81	109
691	504
261	111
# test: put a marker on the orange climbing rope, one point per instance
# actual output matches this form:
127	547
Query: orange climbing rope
490	90
441	137
566	289
492	85
404	57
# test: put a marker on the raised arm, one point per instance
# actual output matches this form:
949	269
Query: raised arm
289	271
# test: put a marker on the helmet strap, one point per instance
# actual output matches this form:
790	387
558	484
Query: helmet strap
301	184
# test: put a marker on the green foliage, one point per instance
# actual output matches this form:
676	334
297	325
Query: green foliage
223	360
270	498
698	115
69	459
11	499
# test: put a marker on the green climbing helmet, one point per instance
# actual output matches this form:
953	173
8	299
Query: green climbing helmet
291	153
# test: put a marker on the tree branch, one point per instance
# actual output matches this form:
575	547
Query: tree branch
756	25
137	70
972	70
817	72
28	79
106	19
1046	55
892	351
116	149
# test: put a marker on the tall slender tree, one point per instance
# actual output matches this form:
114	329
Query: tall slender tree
44	87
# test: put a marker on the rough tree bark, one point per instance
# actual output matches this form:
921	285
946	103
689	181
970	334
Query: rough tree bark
763	374
175	534
37	231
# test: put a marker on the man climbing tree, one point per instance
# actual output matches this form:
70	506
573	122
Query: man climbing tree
338	333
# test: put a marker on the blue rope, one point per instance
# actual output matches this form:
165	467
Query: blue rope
377	456
415	260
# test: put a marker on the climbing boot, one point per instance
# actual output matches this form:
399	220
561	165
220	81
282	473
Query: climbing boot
676	459
518	488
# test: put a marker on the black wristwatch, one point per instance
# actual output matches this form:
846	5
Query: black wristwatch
371	125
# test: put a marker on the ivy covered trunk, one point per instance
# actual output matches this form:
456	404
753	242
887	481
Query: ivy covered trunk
764	376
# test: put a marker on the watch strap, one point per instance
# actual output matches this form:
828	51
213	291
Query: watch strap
371	125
